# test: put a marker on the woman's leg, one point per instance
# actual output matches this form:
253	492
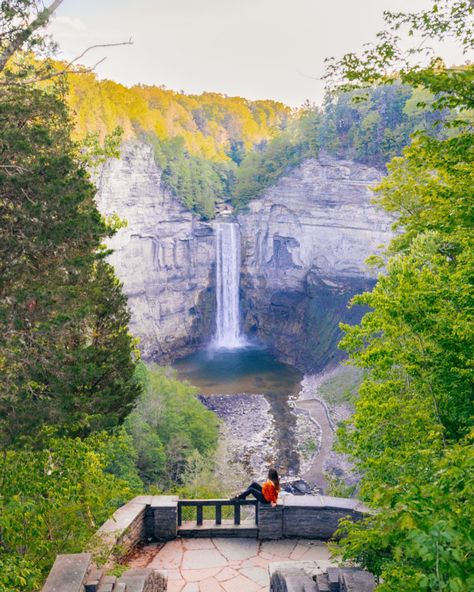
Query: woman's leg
250	489
258	495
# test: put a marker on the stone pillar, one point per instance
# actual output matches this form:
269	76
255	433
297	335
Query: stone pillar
270	521
164	509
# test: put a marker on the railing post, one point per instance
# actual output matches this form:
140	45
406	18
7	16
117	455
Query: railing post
199	515
218	514
236	513
180	514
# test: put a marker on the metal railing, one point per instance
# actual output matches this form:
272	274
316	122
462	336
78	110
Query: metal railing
218	504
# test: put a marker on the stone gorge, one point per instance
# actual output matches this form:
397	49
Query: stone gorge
303	243
164	256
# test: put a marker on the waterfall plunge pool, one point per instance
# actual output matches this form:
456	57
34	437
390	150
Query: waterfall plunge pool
250	371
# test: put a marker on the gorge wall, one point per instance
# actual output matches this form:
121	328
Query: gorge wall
165	256
304	243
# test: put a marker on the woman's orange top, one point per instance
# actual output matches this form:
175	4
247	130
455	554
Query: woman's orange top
270	492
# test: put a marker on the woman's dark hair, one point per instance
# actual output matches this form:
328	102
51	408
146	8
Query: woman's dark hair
273	476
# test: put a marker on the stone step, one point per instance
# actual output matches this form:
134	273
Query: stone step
68	573
210	529
357	581
97	581
93	580
322	583
333	575
107	584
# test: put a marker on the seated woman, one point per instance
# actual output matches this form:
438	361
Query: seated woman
266	493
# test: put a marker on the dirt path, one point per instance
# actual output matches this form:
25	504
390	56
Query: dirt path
309	401
315	474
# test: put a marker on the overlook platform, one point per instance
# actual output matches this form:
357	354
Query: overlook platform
164	544
226	564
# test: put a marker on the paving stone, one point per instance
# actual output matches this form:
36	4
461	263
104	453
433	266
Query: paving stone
203	559
314	553
193	544
237	549
174	574
196	575
175	585
234	565
256	562
298	551
257	574
169	556
240	584
247	563
282	549
226	574
210	585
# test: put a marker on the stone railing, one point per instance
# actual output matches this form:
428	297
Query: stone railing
158	518
217	505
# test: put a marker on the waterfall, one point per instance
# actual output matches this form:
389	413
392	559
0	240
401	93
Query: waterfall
227	286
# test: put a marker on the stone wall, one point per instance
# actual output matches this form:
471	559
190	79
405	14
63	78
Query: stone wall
307	516
77	573
123	531
119	535
149	517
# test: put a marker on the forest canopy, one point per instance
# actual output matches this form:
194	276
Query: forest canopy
213	148
199	140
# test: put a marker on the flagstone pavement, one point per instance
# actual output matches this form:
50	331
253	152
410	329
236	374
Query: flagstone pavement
226	565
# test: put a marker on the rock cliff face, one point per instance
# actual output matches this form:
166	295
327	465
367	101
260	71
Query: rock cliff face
304	243
165	257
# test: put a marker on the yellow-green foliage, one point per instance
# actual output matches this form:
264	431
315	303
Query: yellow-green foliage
211	124
52	500
198	140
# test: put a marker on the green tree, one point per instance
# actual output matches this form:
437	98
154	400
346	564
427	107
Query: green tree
168	425
52	501
416	403
411	435
66	354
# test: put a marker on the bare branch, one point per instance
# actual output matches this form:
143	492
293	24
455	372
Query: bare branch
129	42
68	68
24	34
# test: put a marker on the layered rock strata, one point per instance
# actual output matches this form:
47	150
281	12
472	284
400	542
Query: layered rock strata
164	257
304	243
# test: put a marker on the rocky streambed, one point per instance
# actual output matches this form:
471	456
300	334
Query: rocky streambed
254	436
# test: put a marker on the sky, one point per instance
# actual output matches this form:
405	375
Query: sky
258	49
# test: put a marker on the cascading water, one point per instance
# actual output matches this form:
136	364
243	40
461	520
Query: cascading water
227	287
